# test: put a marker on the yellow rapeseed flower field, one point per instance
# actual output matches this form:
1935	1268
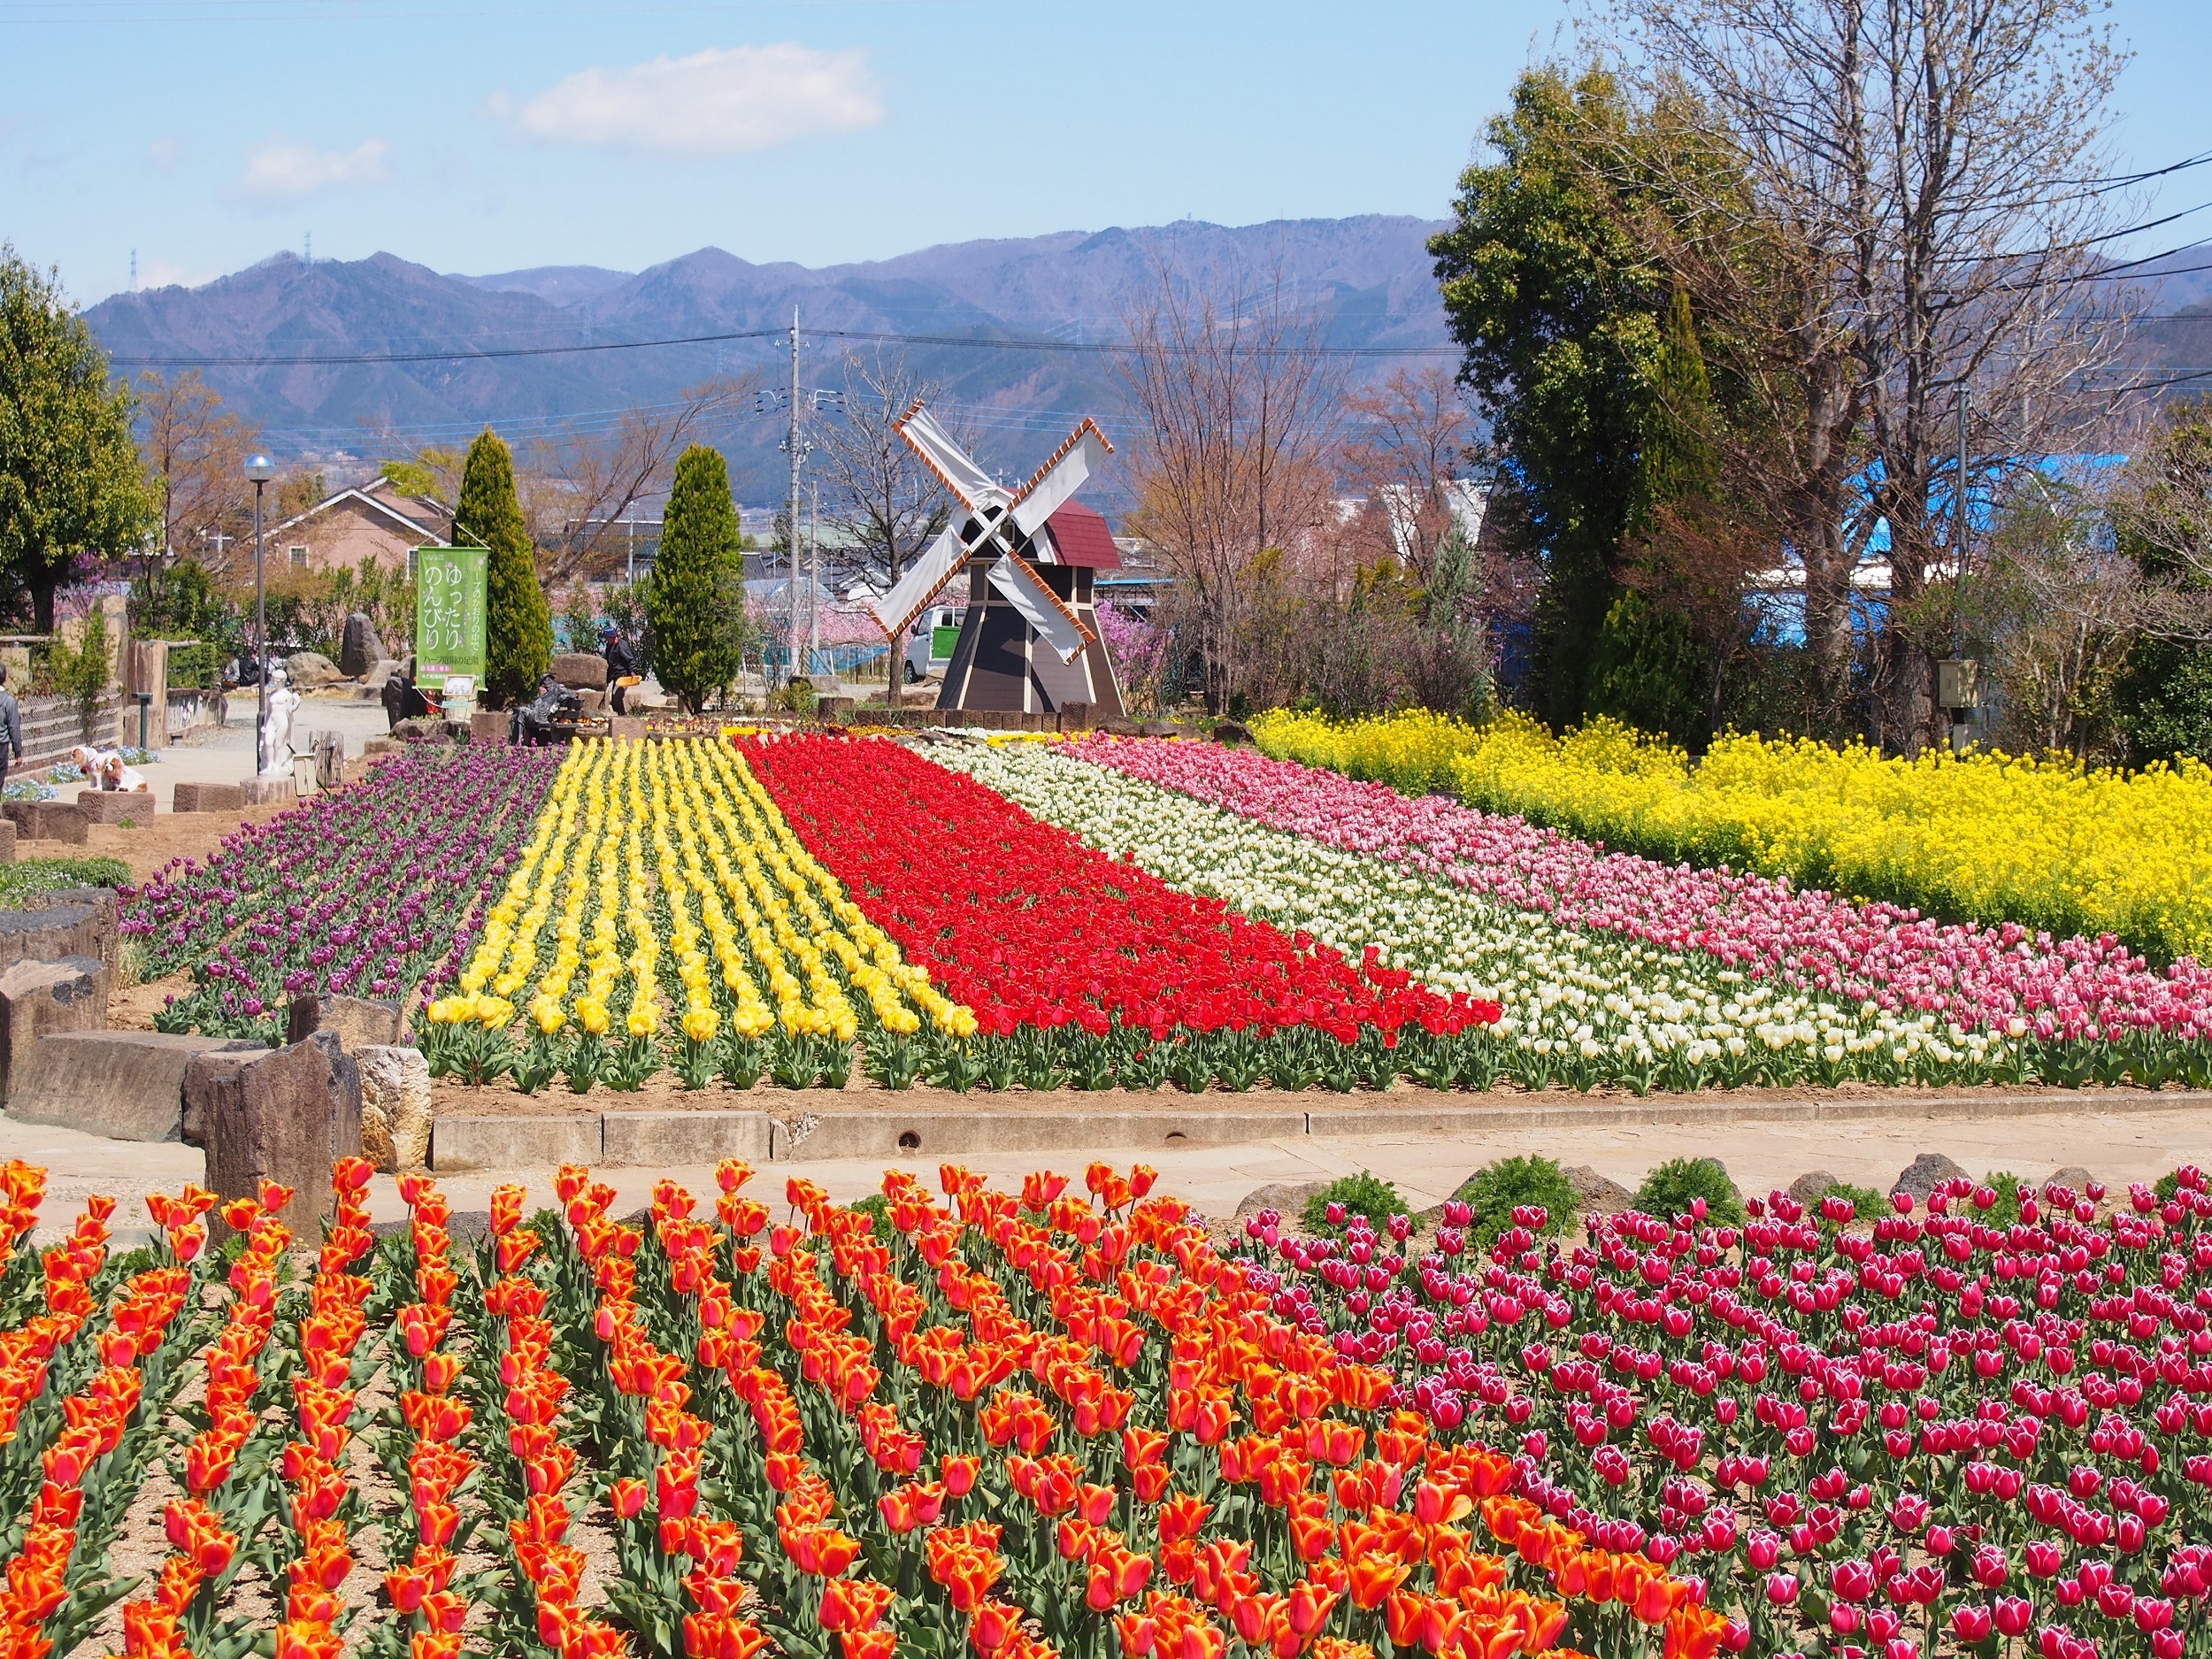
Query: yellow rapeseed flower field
676	844
1986	837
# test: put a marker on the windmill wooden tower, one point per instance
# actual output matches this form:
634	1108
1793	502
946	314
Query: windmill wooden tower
1030	642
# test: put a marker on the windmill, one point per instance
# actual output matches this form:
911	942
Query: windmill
1030	641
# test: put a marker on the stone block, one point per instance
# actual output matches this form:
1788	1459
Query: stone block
39	998
81	922
664	1140
285	1114
592	703
113	806
580	670
126	1085
361	1022
394	1106
382	746
209	797
490	726
268	792
513	1143
419	728
1076	717
1232	732
626	728
835	710
48	821
7	840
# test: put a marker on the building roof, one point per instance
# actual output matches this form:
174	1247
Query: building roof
410	515
1081	537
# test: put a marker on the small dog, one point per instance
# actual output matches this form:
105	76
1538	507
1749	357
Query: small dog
117	778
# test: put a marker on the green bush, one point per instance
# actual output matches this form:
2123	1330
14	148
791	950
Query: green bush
1866	1203
877	1208
1669	1189
2006	1211
23	883
518	622
1362	1194
1496	1190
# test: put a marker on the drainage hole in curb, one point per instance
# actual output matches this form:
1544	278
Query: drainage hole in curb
910	1142
1173	1136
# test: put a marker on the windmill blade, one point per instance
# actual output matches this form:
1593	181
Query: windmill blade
924	579
1043	609
976	488
1059	478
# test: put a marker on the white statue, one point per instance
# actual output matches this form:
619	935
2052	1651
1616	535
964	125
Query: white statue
276	726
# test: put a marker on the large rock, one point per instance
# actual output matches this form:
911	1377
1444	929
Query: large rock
1809	1188
55	930
395	1107
1232	732
361	1022
284	1115
310	669
1289	1197
1923	1175
359	649
39	998
580	671
126	1085
1597	1195
419	728
377	677
7	840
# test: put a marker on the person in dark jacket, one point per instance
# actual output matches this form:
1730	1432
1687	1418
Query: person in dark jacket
11	727
621	664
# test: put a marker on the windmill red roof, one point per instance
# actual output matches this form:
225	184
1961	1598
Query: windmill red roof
1081	537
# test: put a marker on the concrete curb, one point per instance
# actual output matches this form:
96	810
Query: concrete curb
671	1139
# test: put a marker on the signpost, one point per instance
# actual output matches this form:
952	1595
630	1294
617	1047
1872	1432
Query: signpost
450	614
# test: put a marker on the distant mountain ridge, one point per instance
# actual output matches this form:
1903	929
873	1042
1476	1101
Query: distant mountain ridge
1373	273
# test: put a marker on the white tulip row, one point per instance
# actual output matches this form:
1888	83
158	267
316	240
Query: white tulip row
1585	993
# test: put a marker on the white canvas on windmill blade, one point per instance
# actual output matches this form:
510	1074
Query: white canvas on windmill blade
1039	606
976	488
938	564
1059	478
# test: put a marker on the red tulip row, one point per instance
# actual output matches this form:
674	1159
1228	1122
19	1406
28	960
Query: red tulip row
1025	924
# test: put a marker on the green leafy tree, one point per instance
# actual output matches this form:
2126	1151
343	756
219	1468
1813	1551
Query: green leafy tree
2164	694
518	622
70	479
1557	311
698	583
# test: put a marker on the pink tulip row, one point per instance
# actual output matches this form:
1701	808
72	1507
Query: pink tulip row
2004	979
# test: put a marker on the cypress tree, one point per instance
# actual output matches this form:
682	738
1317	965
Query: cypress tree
518	622
697	647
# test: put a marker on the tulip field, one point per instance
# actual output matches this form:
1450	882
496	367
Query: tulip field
1073	1423
1095	914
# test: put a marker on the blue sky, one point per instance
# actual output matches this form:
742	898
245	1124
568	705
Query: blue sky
484	136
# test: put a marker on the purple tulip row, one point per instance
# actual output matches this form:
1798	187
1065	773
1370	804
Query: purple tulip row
1894	1441
359	892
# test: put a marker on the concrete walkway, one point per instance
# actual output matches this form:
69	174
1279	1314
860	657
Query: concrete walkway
225	754
2116	1148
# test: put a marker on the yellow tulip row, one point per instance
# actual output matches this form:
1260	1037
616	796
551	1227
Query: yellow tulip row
742	899
1986	837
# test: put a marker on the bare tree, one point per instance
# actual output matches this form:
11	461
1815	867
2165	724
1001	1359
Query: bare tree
891	503
194	452
1908	178
1237	407
1407	442
578	491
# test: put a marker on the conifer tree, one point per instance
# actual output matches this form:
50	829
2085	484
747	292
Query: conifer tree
518	622
696	597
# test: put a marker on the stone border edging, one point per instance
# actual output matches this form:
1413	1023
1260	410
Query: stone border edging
461	1143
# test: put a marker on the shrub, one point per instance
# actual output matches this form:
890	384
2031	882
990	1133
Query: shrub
877	1208
1496	1190
1866	1203
2006	1211
697	599
1669	1190
517	621
24	883
1362	1194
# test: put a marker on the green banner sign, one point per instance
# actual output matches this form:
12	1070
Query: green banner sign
450	614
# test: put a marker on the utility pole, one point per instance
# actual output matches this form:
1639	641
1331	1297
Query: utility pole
814	581
791	585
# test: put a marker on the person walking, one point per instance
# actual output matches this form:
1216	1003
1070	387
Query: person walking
11	727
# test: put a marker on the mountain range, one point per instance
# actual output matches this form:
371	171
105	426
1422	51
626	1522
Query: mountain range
425	357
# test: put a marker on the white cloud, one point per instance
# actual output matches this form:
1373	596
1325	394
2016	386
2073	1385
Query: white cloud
715	103
164	152
280	170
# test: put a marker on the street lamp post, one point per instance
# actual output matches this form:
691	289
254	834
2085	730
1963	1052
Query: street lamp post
260	469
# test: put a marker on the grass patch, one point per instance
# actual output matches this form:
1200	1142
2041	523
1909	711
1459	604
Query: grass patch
22	884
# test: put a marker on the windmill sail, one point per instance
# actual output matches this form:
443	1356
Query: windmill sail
924	579
976	488
1059	478
1040	607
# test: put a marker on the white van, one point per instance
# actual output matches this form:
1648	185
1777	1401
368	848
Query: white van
929	645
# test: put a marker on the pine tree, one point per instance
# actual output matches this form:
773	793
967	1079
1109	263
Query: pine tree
518	622
695	601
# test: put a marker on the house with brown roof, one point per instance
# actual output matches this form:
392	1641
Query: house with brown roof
374	521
